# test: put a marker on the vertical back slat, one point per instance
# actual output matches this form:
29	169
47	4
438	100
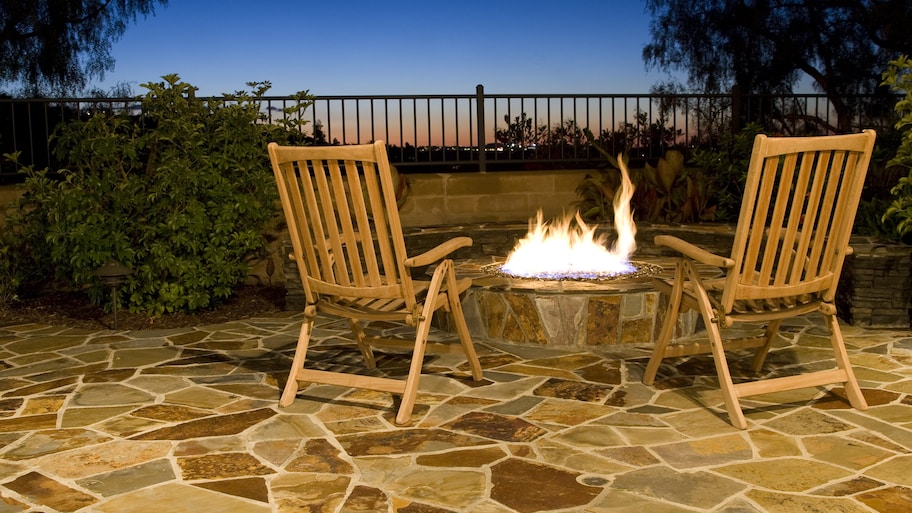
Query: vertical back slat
785	171
381	228
328	243
351	256
808	221
758	221
356	184
827	211
788	257
843	172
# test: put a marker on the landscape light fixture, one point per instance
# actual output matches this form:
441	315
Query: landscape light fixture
112	274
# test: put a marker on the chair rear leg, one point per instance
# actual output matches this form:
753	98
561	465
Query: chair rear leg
772	331
361	339
297	363
853	391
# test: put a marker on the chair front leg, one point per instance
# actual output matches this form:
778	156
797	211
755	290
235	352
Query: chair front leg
713	331
668	325
297	362
458	316
853	391
422	329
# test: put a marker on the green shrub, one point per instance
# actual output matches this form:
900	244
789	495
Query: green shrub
181	194
899	77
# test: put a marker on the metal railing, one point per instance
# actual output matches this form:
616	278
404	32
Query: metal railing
480	131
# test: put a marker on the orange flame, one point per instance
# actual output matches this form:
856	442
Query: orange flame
561	249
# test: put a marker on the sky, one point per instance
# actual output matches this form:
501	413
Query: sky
354	47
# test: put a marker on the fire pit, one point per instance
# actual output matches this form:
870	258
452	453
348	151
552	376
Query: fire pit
580	313
563	286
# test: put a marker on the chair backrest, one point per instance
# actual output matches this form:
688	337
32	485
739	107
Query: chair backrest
343	221
796	218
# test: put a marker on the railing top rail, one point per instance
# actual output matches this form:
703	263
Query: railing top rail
487	95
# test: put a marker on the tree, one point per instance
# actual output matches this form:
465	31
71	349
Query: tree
58	45
767	46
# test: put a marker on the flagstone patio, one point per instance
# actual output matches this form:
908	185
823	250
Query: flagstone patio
187	420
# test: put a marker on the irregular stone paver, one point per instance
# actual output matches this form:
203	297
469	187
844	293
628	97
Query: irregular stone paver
253	488
129	479
498	427
318	455
890	500
187	420
783	503
695	489
897	470
456	487
789	474
707	451
214	426
106	457
50	493
406	441
527	487
179	497
41	443
221	466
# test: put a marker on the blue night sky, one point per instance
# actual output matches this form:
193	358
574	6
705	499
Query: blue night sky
408	47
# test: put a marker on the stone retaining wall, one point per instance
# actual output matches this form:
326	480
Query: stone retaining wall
876	285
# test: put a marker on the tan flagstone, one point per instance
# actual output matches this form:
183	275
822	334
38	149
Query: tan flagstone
897	470
179	497
106	457
773	502
844	452
704	452
786	474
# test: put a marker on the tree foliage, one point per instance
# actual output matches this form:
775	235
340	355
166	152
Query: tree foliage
767	46
58	45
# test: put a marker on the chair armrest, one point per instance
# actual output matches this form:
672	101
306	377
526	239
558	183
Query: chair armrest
689	250
438	253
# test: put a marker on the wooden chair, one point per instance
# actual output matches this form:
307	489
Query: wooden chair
340	206
791	239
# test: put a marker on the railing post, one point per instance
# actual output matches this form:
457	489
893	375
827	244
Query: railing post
736	108
480	115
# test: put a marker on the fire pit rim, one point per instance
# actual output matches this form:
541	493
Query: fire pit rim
643	270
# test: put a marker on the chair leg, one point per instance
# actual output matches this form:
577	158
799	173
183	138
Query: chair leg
713	331
366	352
668	326
772	331
462	329
732	405
422	329
853	391
297	363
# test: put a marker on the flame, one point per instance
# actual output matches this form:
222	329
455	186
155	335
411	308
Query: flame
561	249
